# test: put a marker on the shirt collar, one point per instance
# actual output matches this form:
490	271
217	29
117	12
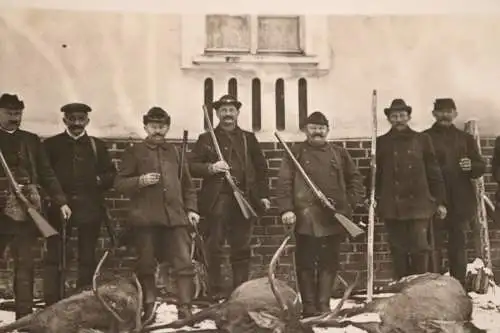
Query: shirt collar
75	137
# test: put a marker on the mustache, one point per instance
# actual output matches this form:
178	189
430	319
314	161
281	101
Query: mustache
227	118
319	135
75	127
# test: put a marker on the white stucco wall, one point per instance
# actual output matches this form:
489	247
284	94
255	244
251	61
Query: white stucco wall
123	63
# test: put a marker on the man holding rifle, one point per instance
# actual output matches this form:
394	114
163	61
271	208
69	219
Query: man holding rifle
318	233
409	190
220	203
28	163
84	169
460	161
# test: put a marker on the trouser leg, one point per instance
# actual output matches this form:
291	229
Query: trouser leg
88	235
457	255
419	246
328	266
306	261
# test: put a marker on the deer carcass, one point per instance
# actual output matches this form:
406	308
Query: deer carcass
113	307
422	303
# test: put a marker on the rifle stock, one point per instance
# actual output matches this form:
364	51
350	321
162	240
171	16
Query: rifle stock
352	228
41	223
245	207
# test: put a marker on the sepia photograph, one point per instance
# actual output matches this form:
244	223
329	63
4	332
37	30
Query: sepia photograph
249	166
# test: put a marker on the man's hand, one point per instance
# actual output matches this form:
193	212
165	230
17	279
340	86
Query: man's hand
367	203
218	167
289	218
193	218
266	203
66	212
466	164
441	212
149	179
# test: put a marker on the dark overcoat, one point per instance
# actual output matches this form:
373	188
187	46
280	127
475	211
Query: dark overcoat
255	171
409	183
450	145
165	203
332	170
77	168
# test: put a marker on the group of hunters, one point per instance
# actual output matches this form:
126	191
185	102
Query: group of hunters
420	177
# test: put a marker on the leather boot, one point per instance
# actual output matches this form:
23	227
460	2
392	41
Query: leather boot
400	263
51	285
307	287
23	292
420	262
185	295
149	296
325	285
241	272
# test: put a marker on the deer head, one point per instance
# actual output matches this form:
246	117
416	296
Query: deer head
289	321
119	321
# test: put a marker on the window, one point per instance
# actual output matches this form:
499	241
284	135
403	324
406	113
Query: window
253	34
220	41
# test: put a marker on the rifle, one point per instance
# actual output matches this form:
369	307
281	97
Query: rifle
63	259
183	154
41	223
245	207
348	225
371	209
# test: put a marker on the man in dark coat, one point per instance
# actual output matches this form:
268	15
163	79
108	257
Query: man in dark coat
495	171
460	161
409	190
85	171
223	219
161	210
318	234
25	156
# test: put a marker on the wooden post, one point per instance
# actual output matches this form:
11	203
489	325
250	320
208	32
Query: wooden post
482	238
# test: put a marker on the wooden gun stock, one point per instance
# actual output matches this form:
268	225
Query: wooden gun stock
41	223
352	228
245	207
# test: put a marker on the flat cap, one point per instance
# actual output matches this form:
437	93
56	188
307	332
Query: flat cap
76	107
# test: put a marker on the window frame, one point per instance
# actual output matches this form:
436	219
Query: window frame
313	30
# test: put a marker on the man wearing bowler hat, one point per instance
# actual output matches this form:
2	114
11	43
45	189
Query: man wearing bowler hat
243	157
318	235
85	171
460	161
26	158
162	208
409	190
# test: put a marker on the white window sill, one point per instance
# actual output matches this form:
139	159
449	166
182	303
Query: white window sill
255	59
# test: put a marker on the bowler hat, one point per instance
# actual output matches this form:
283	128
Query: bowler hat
317	118
444	103
398	104
11	101
156	115
226	99
76	107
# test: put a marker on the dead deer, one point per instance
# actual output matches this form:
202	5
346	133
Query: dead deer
258	305
90	310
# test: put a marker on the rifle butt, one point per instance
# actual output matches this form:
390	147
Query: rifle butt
41	223
352	228
245	207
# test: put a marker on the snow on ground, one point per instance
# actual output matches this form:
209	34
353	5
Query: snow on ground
486	314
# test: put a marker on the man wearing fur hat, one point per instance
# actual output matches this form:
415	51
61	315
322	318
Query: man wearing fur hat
26	158
409	190
162	209
318	234
460	161
85	171
223	218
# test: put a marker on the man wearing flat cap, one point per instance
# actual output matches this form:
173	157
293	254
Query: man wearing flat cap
85	171
163	205
409	190
318	234
28	161
460	161
223	219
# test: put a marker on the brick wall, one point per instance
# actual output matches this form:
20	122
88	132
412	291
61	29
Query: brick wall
269	233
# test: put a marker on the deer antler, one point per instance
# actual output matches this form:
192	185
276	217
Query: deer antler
326	318
272	268
97	293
